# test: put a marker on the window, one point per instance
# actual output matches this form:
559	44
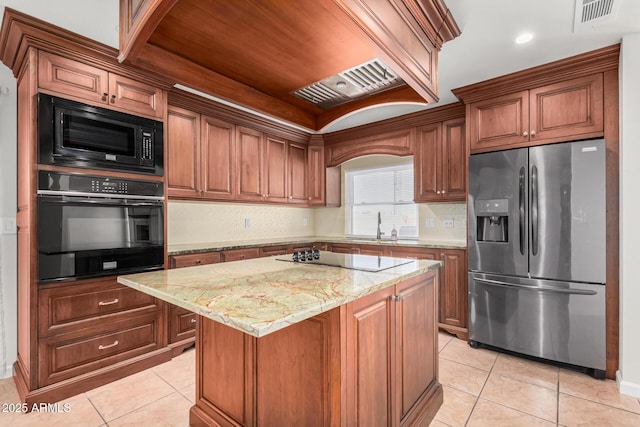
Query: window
388	190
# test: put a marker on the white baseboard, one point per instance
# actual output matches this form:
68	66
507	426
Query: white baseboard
626	387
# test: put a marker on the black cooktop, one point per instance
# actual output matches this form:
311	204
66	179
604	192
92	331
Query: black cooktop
350	261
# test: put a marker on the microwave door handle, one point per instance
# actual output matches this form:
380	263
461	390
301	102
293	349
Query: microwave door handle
521	210
534	211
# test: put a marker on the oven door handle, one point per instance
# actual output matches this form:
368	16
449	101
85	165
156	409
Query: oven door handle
99	201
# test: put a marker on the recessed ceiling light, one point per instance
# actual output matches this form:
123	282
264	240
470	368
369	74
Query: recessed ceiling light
524	38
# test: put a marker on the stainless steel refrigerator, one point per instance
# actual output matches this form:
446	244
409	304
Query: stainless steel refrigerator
537	252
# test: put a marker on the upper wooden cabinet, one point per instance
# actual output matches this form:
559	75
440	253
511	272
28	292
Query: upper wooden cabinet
567	110
440	162
275	169
200	156
297	174
75	79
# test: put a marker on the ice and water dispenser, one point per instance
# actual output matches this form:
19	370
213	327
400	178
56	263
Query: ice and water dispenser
492	219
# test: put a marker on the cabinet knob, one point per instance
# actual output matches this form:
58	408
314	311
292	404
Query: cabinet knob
533	133
113	99
525	133
193	320
444	191
198	261
105	96
438	192
290	197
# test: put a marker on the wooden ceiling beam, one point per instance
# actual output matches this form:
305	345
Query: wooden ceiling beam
205	80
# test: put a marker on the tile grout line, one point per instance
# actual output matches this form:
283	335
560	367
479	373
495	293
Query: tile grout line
483	386
96	409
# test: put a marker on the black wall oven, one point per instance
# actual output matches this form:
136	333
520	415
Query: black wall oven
74	134
90	226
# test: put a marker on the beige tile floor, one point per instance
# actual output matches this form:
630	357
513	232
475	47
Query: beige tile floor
481	388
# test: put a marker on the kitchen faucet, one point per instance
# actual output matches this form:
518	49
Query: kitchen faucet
379	233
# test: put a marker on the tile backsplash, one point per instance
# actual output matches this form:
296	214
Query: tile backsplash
203	222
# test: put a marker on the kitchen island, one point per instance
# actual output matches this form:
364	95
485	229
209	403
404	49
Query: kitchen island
283	343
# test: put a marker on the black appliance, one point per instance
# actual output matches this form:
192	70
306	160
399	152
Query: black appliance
90	226
372	263
74	134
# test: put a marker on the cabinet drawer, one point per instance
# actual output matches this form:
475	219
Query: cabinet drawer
415	253
345	248
191	260
183	324
74	307
240	254
70	355
273	250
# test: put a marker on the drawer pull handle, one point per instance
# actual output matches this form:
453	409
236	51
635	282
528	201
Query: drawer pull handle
193	320
113	301
198	261
104	347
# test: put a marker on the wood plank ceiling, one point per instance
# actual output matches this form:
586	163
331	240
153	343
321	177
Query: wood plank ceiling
257	53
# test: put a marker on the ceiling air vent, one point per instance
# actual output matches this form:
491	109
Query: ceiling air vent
365	79
590	13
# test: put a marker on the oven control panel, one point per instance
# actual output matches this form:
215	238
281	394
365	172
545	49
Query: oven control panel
99	185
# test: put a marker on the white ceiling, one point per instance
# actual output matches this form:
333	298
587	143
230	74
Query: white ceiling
486	48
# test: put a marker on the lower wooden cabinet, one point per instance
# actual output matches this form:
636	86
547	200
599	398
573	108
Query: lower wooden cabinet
392	334
182	327
453	293
90	326
370	362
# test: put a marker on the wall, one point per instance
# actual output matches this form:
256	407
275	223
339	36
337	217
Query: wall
629	374
203	222
332	221
8	200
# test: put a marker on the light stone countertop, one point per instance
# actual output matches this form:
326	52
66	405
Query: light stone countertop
263	295
193	248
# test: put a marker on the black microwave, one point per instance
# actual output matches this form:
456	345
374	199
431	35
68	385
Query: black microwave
75	134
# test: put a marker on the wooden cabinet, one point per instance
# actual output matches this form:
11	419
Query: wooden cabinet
297	174
192	260
271	169
370	362
182	327
558	112
414	253
392	335
453	292
275	170
75	79
240	254
316	175
200	155
89	326
440	162
348	248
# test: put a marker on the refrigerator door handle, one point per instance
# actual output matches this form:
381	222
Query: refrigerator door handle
521	211
535	288
534	210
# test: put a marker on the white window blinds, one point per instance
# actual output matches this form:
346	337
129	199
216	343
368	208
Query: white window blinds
386	190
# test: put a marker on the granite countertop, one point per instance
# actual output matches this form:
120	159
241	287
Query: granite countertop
263	295
241	244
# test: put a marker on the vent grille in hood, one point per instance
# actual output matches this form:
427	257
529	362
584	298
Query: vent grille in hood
364	79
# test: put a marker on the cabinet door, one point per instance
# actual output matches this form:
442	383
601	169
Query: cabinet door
72	78
275	169
316	175
183	153
182	324
499	121
249	164
427	164
217	159
369	377
414	253
416	342
297	173
454	161
453	288
135	97
567	109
